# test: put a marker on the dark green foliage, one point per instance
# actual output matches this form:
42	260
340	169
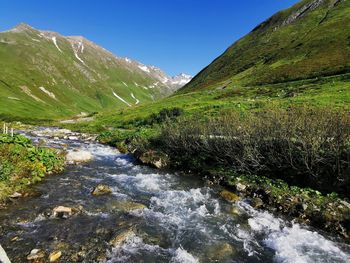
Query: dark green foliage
164	115
305	147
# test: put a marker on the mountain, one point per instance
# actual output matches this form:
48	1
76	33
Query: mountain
309	40
46	75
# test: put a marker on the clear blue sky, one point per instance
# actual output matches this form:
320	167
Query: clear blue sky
175	35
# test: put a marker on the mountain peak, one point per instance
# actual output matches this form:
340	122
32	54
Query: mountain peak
22	27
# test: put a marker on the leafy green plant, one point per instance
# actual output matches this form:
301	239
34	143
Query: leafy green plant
22	163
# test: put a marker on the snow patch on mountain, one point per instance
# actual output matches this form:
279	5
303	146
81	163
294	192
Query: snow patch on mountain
181	79
49	93
144	68
121	99
13	98
54	40
133	96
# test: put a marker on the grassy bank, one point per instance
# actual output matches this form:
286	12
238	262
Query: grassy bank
23	164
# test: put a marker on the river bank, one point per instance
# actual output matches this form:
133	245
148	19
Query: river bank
327	212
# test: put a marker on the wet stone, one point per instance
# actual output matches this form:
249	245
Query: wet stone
241	187
235	211
101	189
36	255
229	196
15	195
256	203
62	212
126	206
54	256
121	238
220	252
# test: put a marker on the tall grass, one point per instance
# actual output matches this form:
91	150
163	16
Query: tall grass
305	147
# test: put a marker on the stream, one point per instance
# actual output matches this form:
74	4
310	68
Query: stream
158	217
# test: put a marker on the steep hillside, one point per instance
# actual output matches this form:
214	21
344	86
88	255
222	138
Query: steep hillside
46	75
309	40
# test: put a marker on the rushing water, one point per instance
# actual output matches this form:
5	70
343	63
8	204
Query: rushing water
184	220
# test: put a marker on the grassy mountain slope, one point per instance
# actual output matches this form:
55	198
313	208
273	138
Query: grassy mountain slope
309	40
46	75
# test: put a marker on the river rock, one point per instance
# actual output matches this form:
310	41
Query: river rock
229	196
15	195
78	156
121	238
241	187
218	253
101	189
127	206
35	255
154	158
3	256
235	211
54	256
62	211
257	203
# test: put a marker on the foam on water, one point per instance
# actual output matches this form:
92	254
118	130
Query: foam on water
130	247
101	151
151	182
181	209
292	244
182	256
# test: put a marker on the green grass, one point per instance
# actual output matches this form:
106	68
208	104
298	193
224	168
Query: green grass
203	104
314	45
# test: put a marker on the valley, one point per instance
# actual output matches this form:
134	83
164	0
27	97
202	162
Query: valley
111	160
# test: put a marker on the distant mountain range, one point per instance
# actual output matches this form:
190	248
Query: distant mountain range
46	75
309	40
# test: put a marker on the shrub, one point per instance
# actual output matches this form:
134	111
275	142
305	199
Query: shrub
303	146
163	115
22	163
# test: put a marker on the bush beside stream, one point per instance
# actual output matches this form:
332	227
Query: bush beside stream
22	164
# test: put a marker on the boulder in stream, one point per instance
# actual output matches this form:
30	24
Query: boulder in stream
62	212
121	238
229	196
152	158
54	256
101	189
126	206
257	203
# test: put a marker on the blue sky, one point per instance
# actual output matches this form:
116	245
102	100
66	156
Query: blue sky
175	35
